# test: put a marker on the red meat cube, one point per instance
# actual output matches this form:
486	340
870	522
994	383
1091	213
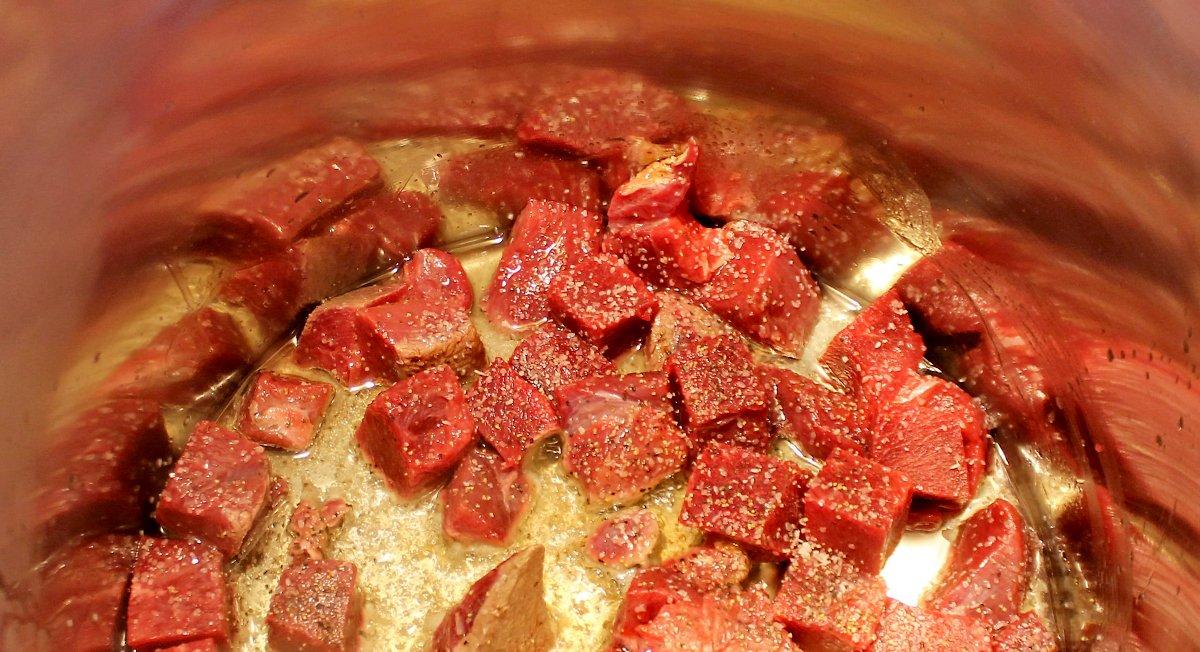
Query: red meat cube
312	527
283	411
817	418
626	539
546	236
82	590
503	610
717	565
334	338
658	190
178	595
599	298
738	621
677	321
206	645
316	607
506	178
552	356
857	508
719	384
485	499
987	574
943	307
101	471
216	490
650	590
270	207
403	222
417	430
878	351
1025	633
611	398
827	603
510	413
904	628
268	288
746	496
923	434
183	360
763	288
588	113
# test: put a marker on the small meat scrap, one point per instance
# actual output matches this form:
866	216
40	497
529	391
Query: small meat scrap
485	499
503	610
724	396
816	417
827	603
552	356
677	321
316	607
987	574
716	621
626	539
510	413
312	527
876	352
506	178
283	411
82	591
599	298
747	497
1024	633
178	595
716	565
546	236
417	430
217	489
270	207
904	628
857	508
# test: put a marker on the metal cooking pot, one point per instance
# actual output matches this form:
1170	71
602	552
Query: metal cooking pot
1057	141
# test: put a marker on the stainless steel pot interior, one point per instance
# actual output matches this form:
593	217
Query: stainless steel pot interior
1057	139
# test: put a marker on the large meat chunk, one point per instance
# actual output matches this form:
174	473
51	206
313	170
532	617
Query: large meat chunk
216	490
552	356
857	508
720	621
626	539
1024	633
649	591
178	595
417	430
283	411
510	413
82	590
818	418
336	339
878	351
315	608
205	645
725	397
546	236
904	628
746	496
485	499
602	300
506	178
678	320
503	610
827	603
942	306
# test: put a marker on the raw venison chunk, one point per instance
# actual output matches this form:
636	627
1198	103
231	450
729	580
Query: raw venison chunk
1024	633
546	236
177	595
313	526
599	298
716	621
678	320
206	645
878	351
649	591
269	288
485	499
510	413
626	539
857	508
818	418
942	306
717	565
283	411
82	591
827	603
506	178
746	496
723	393
216	490
503	610
552	356
417	430
315	607
904	628
336	340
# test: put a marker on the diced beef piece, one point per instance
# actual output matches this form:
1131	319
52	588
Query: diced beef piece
609	397
857	508
183	360
818	418
546	236
827	603
878	351
485	499
631	155
510	413
417	430
649	591
269	288
503	610
601	300
719	384
177	595
746	496
1024	633
941	306
717	565
904	628
270	207
677	321
335	339
402	222
283	411
506	178
923	434
763	288
716	622
312	527
315	607
987	573
101	471
82	590
589	113
658	190
205	645
626	539
216	490
552	356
